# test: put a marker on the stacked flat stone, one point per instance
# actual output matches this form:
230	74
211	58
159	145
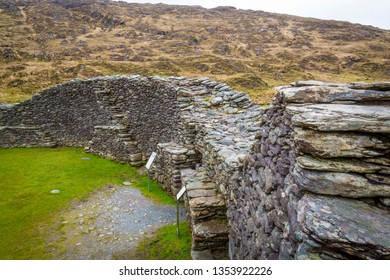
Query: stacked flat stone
221	124
206	214
171	159
316	185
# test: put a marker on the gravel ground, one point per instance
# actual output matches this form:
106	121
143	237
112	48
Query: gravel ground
110	223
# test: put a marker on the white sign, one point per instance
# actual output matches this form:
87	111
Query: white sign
180	193
150	161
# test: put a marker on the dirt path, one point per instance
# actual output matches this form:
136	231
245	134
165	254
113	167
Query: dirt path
109	224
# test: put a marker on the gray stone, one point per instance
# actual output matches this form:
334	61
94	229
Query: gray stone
231	110
337	165
335	183
136	157
326	94
334	144
385	201
201	255
201	193
351	226
377	86
205	202
216	101
240	99
338	117
211	229
314	84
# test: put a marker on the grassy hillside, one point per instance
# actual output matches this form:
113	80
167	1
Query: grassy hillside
44	43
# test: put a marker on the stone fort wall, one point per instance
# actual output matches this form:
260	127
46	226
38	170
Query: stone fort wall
316	183
306	178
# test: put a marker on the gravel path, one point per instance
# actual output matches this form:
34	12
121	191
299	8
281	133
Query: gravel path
110	223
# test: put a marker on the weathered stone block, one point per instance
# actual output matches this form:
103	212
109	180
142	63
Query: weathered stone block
135	157
327	94
335	183
347	225
338	117
334	144
337	165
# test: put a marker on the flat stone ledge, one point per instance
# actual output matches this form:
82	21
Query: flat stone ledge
340	117
337	165
342	184
379	86
340	144
328	94
20	127
348	225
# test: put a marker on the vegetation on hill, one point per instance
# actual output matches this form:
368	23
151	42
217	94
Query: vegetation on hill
46	42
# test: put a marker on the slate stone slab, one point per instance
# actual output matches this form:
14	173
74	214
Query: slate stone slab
340	117
327	94
350	226
337	165
337	183
340	144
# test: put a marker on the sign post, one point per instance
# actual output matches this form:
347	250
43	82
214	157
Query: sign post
178	196
148	165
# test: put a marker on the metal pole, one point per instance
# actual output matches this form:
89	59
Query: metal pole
148	181
177	217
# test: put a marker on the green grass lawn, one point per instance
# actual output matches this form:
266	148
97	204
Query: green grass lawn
27	177
166	245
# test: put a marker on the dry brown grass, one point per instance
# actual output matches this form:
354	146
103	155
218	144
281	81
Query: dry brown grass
251	51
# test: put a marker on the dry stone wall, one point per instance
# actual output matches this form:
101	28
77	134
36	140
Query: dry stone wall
316	184
217	128
118	117
306	178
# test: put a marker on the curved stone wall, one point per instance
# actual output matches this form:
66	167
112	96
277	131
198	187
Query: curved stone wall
307	178
119	117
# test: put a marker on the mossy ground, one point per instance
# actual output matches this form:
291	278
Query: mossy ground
27	177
